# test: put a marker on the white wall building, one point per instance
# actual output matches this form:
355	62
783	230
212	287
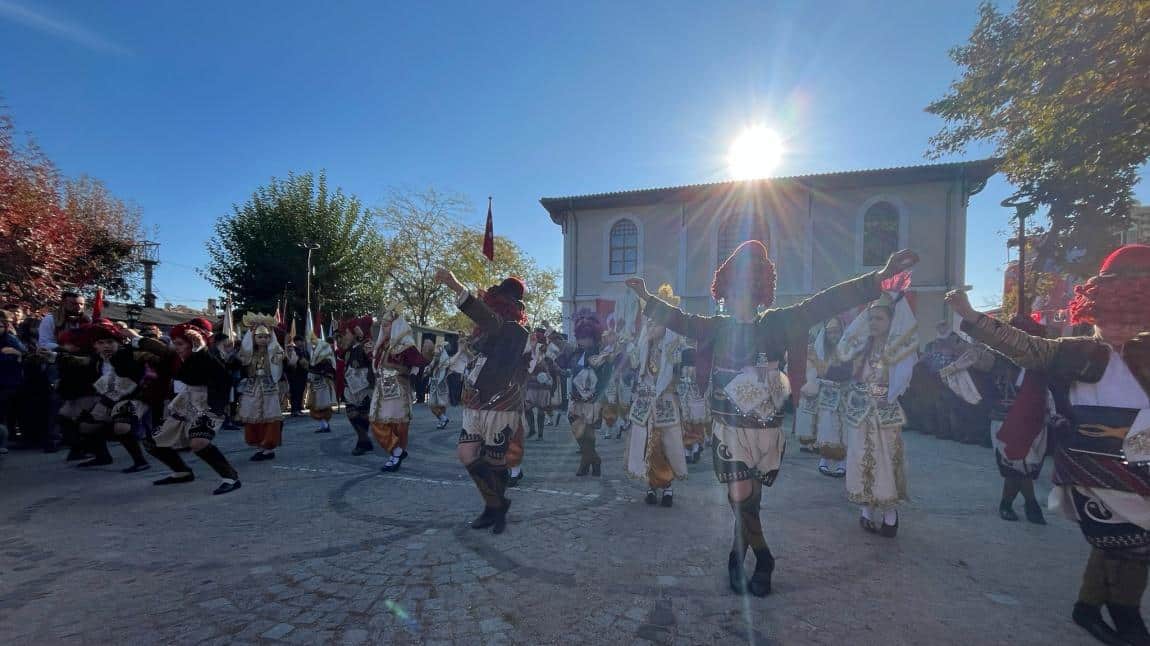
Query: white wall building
820	229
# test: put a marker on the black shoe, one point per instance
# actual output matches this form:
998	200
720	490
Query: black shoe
94	462
1090	619
652	497
668	498
889	531
513	481
596	469
868	525
136	468
583	469
227	487
360	449
825	470
323	429
263	456
1006	511
760	584
484	520
1034	512
443	424
500	519
736	576
402	457
1128	624
171	480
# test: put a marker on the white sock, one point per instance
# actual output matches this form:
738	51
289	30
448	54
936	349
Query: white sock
396	452
667	492
515	471
823	462
890	517
324	424
227	481
865	512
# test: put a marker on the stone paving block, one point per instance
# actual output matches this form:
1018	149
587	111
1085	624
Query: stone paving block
279	631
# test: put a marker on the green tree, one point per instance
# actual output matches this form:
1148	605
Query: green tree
1062	90
425	230
256	257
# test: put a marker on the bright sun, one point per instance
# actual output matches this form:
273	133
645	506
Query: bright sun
755	153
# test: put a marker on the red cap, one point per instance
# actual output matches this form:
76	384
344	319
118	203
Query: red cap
1128	260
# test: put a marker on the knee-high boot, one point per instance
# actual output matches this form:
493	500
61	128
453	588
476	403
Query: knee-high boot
752	529
132	445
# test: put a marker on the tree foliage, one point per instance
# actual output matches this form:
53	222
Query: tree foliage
1062	89
58	233
425	230
256	257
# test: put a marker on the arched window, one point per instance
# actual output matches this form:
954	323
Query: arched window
737	229
880	234
624	255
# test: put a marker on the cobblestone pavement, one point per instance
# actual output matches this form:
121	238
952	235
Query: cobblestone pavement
320	547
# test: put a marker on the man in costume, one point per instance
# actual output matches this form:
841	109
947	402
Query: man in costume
438	397
881	346
591	368
493	389
118	410
260	412
818	420
744	348
655	446
358	378
321	397
200	385
556	341
395	358
1102	385
540	383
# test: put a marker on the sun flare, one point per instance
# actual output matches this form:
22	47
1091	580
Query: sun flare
755	153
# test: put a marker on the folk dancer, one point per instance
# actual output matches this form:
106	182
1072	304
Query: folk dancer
830	379
119	410
200	385
438	395
655	446
321	396
1103	385
262	360
881	345
747	389
620	388
1023	408
394	360
493	389
358	378
540	383
591	366
695	407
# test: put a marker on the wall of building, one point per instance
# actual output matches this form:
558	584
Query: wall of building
815	241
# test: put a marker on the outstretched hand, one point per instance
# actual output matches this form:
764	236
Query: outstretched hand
958	301
638	286
898	262
445	277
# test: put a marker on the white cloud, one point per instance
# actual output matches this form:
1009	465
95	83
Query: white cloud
58	27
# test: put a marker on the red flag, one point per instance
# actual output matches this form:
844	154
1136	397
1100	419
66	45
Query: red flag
489	235
899	282
98	304
279	316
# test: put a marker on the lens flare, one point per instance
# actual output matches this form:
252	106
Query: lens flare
755	153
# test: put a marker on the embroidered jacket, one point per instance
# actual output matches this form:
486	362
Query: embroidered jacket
498	367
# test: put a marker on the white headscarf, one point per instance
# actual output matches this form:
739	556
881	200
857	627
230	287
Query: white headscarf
901	351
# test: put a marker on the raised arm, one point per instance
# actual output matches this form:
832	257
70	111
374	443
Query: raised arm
1024	350
475	309
692	326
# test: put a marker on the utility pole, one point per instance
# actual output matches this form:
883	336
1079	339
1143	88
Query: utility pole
310	246
1022	209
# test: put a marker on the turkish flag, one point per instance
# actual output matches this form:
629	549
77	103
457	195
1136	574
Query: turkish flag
489	235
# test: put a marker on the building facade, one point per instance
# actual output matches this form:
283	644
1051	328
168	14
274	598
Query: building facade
820	230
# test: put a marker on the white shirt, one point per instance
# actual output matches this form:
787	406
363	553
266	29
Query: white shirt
1118	388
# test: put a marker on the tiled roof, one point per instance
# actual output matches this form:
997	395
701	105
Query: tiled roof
976	171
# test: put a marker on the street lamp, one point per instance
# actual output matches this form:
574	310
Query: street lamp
310	246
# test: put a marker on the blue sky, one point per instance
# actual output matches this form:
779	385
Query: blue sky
185	108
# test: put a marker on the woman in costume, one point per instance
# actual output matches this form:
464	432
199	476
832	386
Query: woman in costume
591	367
321	397
200	385
493	389
438	397
818	421
394	359
655	447
881	346
260	412
358	378
1102	385
746	388
695	407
